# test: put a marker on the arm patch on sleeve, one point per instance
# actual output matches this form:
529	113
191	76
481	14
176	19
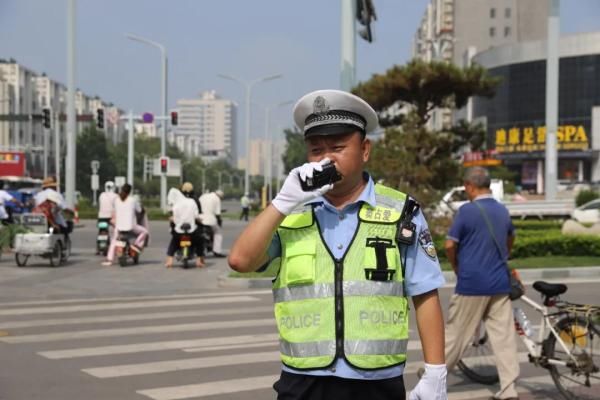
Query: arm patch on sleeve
426	243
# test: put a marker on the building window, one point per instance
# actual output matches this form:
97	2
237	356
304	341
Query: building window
492	31
492	13
507	13
506	31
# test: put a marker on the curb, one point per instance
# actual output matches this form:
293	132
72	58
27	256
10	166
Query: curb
527	275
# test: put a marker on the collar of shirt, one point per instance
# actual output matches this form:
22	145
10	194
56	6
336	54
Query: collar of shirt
484	196
366	196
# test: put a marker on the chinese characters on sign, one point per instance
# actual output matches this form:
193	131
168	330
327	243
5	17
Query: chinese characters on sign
526	139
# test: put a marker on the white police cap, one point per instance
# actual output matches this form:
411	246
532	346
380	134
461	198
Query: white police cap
332	112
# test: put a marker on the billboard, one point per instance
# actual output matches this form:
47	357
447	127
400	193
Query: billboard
12	163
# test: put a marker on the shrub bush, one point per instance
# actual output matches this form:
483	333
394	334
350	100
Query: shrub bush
536	225
584	196
554	244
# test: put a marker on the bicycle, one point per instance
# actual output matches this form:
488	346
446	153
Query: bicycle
567	344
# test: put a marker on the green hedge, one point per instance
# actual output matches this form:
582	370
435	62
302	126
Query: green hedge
556	244
585	196
535	225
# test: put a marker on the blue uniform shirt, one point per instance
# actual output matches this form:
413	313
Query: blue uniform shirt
482	271
423	272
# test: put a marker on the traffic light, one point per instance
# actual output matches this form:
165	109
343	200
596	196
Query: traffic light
100	118
164	165
46	121
174	118
365	14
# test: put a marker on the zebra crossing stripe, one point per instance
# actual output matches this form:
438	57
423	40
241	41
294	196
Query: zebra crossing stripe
116	371
272	343
126	306
136	298
139	330
133	317
211	388
157	346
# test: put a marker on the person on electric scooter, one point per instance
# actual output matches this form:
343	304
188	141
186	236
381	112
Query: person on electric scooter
125	220
186	210
106	204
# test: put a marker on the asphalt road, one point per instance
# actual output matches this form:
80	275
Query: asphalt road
83	331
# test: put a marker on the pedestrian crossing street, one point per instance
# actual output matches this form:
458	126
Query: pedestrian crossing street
220	345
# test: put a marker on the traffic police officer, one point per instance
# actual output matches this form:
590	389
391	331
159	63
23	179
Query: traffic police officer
348	255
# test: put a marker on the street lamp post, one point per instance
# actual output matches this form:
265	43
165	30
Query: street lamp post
163	52
248	87
268	178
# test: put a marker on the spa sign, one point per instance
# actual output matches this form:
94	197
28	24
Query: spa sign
529	138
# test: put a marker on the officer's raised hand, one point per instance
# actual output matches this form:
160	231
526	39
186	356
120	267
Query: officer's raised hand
291	194
432	385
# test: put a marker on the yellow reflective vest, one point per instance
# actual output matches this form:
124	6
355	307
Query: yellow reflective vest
353	307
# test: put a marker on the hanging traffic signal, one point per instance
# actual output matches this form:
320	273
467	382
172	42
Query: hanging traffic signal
365	14
174	117
46	121
100	118
164	165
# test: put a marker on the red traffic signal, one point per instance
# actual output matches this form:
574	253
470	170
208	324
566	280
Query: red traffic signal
174	117
164	165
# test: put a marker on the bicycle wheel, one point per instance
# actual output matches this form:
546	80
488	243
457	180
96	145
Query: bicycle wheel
580	380
478	362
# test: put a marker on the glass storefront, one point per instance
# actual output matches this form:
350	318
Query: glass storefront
516	117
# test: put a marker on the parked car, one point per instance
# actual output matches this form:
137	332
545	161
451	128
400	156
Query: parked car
588	213
457	196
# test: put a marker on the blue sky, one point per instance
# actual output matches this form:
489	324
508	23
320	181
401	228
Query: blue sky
243	38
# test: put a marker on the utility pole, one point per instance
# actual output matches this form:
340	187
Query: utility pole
348	45
130	144
71	125
552	99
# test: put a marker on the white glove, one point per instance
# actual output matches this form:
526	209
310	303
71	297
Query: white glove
432	385
291	194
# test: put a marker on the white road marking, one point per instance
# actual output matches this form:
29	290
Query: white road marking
157	346
133	317
115	371
125	306
139	330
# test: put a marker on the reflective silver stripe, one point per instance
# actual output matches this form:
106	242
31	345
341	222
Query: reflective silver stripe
303	292
389	202
308	349
372	288
375	347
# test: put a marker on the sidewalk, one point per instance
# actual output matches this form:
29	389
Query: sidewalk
527	275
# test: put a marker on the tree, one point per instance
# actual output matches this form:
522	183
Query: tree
92	145
295	150
426	86
415	160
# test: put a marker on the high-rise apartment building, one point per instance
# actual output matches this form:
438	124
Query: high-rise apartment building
23	96
207	127
455	30
452	29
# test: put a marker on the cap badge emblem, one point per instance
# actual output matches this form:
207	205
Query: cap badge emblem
320	106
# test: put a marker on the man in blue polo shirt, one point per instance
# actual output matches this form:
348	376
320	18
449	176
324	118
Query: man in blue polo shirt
483	281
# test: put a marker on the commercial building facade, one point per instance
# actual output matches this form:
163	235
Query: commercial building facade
515	116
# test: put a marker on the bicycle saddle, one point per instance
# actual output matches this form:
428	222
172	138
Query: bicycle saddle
549	289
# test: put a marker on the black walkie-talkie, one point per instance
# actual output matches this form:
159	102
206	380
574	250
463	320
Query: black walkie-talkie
321	178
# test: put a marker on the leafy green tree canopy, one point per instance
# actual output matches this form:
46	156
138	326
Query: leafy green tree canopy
295	149
426	86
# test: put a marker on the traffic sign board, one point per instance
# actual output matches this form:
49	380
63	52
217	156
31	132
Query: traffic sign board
148	118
